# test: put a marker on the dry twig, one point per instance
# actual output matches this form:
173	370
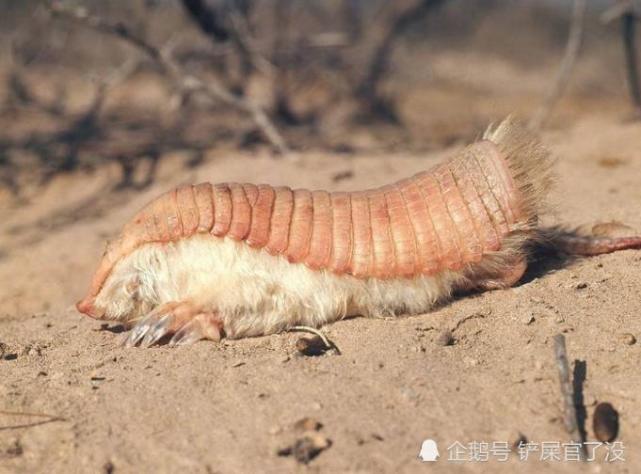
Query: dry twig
567	393
619	9
626	11
247	44
631	59
572	49
329	344
208	20
228	21
49	419
378	65
183	80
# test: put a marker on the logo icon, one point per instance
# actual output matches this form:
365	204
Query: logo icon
429	451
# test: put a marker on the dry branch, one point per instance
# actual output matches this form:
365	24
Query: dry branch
628	27
378	65
183	80
567	393
619	9
247	44
215	23
352	19
103	84
48	419
229	22
572	49
628	13
207	19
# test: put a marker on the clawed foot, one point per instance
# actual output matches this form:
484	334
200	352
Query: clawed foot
185	322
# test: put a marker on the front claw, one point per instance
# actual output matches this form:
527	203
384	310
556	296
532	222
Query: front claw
158	330
148	326
185	321
203	326
155	324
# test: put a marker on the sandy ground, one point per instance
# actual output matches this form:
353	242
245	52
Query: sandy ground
229	407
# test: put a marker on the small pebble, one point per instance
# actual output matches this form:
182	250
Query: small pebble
605	422
306	448
109	467
581	286
15	450
311	346
520	440
445	338
342	175
307	424
409	394
528	319
628	339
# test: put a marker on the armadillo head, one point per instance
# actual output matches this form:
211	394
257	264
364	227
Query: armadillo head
115	289
116	299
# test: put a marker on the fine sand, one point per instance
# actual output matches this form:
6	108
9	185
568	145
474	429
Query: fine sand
229	407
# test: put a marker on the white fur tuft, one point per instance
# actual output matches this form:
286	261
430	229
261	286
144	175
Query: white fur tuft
254	292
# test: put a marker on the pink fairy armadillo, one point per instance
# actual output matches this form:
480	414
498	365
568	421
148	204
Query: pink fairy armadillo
243	260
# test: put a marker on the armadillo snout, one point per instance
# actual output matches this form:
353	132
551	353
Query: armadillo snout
86	306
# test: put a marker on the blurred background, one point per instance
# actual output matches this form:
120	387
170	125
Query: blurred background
132	86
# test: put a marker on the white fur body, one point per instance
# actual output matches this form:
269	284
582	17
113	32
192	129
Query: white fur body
254	292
